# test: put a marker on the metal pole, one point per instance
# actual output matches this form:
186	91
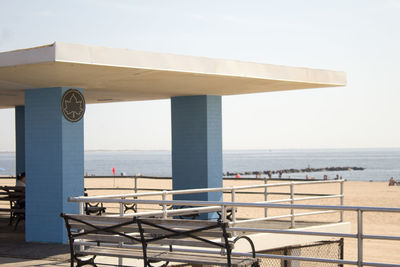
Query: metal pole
233	208
81	208
81	212
164	206
136	190
292	223
265	196
360	237
223	219
341	200
121	213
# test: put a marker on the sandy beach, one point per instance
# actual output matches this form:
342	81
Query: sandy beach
377	194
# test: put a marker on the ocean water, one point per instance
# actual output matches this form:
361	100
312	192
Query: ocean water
379	164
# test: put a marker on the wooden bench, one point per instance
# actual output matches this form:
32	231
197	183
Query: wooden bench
15	196
152	240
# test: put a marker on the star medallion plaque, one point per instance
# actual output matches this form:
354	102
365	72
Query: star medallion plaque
73	105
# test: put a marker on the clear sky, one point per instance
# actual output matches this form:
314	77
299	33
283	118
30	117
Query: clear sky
359	37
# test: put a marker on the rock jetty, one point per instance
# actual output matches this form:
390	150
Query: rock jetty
305	170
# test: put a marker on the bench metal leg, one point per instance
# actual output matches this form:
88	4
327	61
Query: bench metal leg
84	262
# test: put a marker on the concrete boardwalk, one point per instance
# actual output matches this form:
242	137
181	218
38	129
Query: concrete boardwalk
14	251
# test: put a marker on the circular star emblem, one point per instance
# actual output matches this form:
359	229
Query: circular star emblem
73	105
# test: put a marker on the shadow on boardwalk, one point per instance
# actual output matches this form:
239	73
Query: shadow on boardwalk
16	252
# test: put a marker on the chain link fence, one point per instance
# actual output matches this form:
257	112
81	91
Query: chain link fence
332	249
322	249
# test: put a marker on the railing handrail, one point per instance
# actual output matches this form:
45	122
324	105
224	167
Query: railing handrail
217	189
233	204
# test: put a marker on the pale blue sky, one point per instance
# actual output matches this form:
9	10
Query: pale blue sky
359	37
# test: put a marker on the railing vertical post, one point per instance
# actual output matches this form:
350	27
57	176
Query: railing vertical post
81	208
81	212
292	223
234	208
135	184
164	206
341	200
223	219
121	213
360	237
136	190
265	197
121	208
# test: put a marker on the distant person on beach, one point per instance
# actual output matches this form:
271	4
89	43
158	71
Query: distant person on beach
325	177
20	180
269	174
280	174
307	177
392	182
238	175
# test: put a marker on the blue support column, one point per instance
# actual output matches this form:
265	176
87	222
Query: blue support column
197	145
19	139
54	165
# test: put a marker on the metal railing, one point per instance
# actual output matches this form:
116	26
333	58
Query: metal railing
225	206
234	190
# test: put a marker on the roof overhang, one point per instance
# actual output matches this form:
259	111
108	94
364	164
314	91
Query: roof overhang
113	75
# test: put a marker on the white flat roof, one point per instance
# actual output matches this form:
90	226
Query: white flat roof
112	75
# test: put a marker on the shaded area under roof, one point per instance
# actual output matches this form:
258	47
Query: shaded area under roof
113	75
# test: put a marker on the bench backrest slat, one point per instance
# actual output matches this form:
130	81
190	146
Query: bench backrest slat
133	228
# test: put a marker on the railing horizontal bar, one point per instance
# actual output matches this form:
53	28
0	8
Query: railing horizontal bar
217	189
233	204
290	232
380	264
385	237
276	193
182	211
298	199
113	188
274	201
225	192
317	197
122	188
261	219
314	213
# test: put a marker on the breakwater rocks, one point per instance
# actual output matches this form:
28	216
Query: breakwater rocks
280	172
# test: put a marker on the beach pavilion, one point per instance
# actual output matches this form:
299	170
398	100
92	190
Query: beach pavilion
49	86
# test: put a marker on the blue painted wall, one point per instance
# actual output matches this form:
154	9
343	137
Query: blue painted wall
54	164
19	139
197	145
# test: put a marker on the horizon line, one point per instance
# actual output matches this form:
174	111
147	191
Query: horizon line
235	149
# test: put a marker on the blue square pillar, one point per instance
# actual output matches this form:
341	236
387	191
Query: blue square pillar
19	139
54	163
197	145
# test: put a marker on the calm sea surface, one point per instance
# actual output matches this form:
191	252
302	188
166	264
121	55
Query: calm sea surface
380	164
